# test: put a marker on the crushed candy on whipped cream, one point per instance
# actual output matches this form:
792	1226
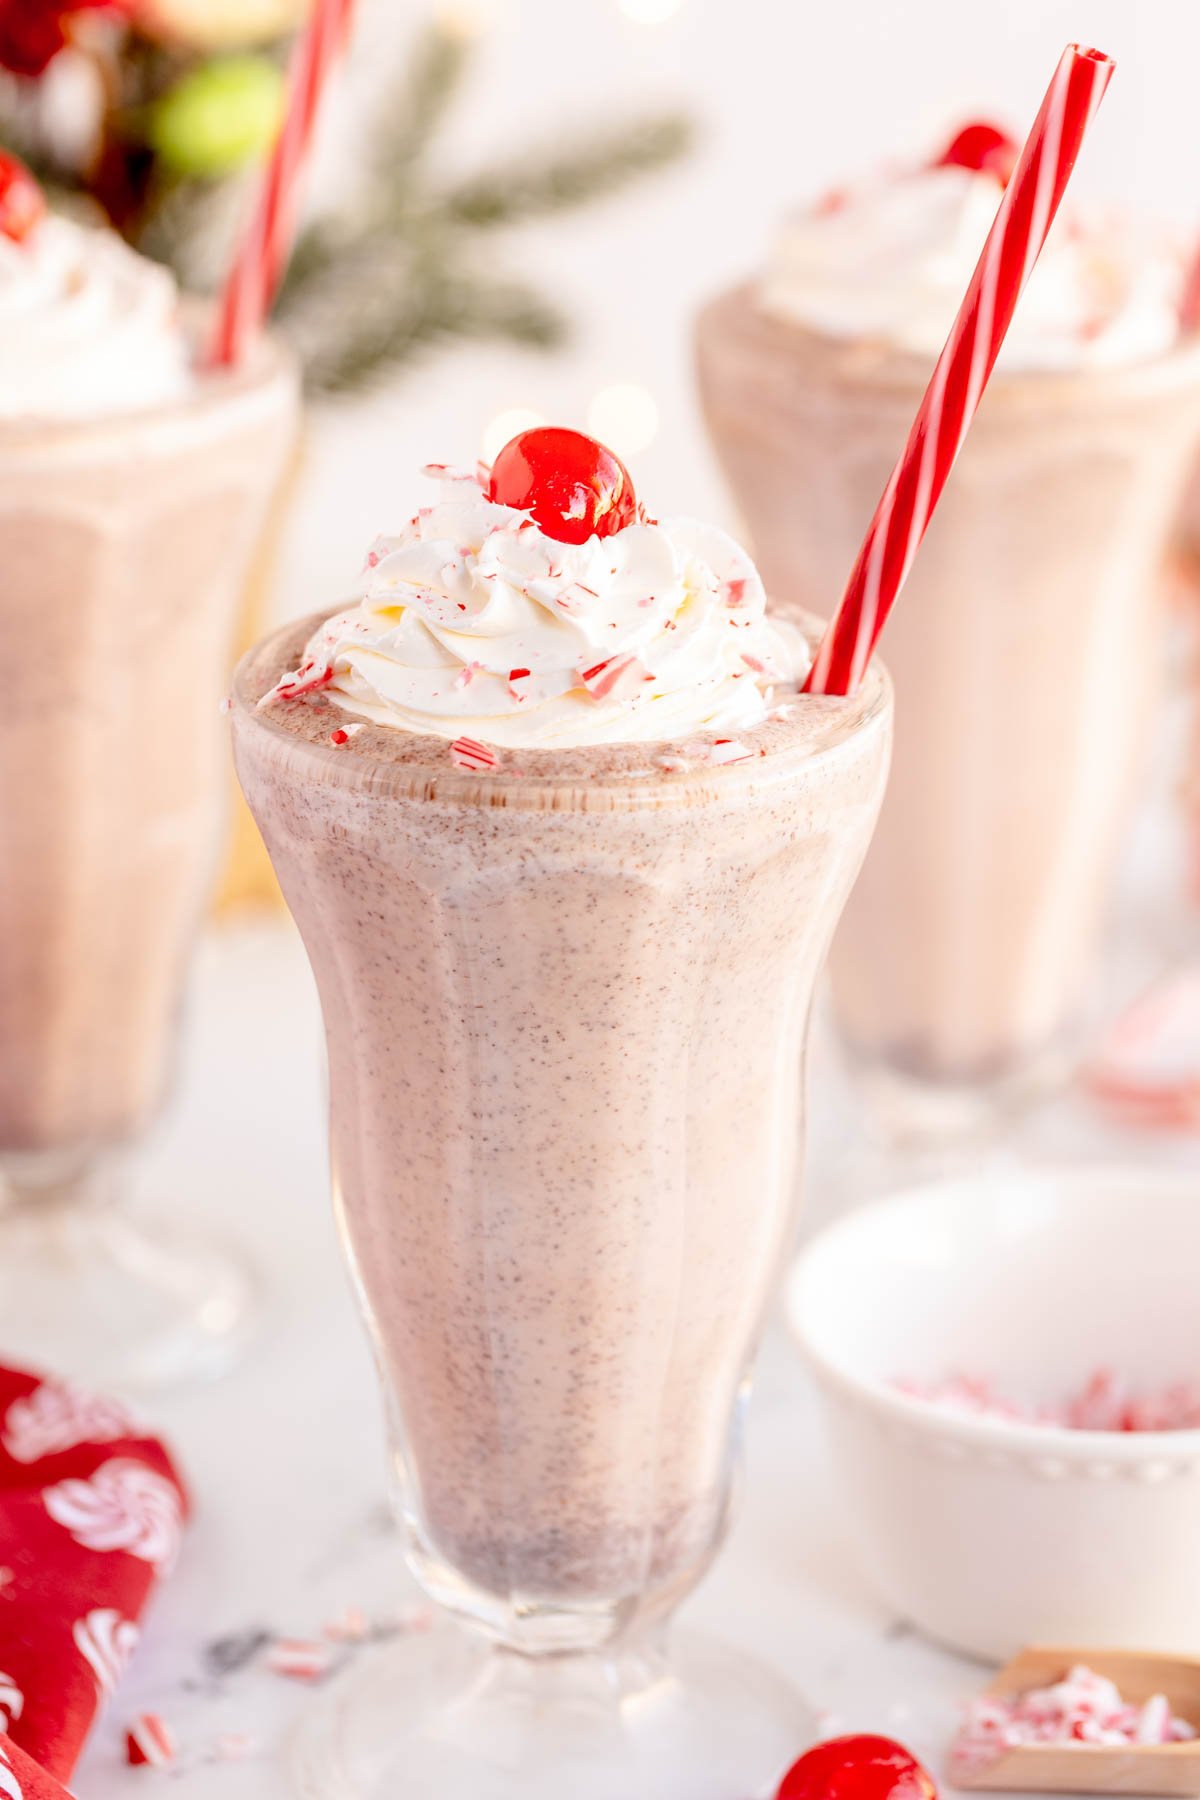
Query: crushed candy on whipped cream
1083	1708
473	625
1105	1402
889	259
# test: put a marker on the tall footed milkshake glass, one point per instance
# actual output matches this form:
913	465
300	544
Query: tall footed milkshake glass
131	490
1028	656
566	969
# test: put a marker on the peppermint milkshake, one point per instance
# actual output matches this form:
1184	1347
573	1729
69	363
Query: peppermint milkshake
566	848
132	485
1029	654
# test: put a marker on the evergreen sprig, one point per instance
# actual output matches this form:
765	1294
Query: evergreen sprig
393	274
537	188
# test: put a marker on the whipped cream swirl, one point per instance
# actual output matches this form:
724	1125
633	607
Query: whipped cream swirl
891	261
87	327
473	620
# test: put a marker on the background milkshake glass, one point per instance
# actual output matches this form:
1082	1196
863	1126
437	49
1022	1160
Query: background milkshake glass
1029	655
566	1001
131	493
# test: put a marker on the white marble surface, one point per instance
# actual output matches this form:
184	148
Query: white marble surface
285	1458
286	1461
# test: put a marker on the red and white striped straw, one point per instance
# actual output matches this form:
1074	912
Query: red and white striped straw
944	417
263	252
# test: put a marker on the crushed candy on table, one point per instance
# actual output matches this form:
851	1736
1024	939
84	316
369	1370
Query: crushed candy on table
1084	1708
1105	1402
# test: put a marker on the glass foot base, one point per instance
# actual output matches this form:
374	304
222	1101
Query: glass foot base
97	1298
926	1114
450	1716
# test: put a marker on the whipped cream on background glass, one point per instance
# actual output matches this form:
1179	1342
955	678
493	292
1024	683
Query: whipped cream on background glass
891	260
473	619
87	327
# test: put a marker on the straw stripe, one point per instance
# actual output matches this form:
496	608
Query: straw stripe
944	417
262	255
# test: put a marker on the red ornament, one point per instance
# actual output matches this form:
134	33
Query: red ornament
572	486
32	32
982	147
22	203
857	1768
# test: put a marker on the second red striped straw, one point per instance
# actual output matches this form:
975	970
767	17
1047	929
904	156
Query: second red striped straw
264	250
944	417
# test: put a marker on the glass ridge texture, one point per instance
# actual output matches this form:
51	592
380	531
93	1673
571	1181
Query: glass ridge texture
1028	653
124	546
566	1031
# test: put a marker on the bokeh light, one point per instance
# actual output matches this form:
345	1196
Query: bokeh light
506	425
625	417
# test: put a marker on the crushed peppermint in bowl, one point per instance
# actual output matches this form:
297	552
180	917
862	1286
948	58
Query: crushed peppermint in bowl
1009	1369
1083	1709
1106	1401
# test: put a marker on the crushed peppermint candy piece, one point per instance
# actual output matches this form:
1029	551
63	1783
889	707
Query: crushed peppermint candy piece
299	1659
572	600
1083	1708
236	1746
728	750
616	678
1105	1402
469	753
151	1741
308	679
350	1626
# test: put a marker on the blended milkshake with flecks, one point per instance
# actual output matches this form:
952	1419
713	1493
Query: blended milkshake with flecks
132	485
1029	650
566	849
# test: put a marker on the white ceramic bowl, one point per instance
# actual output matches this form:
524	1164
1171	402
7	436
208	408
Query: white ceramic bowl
987	1534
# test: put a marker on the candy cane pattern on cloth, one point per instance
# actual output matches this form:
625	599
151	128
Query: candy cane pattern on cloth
943	419
106	1642
123	1506
57	1416
10	1787
12	1702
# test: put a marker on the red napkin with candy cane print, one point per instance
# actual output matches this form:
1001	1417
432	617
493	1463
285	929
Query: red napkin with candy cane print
91	1516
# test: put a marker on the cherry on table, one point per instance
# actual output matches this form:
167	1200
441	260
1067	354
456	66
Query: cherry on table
572	487
982	147
859	1767
22	203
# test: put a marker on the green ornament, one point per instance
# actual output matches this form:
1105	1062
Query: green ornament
219	117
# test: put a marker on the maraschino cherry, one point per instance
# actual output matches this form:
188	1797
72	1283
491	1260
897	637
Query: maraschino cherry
857	1768
572	487
22	204
982	147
